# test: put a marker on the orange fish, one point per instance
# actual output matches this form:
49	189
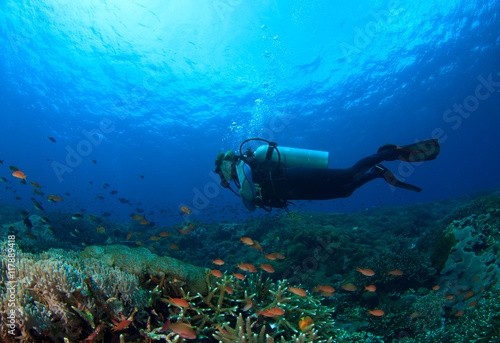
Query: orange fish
396	272
267	267
139	234
305	323
327	289
173	247
184	330
53	197
129	235
247	267
239	276
459	313
36	185
298	291
366	272
178	302
376	313
449	297
100	229
246	240
435	288
137	217
348	287
472	303
468	294
279	255
248	305
475	279
229	290
371	288
164	234
272	312
216	272
139	243
256	245
270	256
218	262
154	238
185	210
186	230
144	222
19	174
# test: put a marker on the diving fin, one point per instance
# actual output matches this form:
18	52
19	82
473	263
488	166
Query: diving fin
416	152
392	180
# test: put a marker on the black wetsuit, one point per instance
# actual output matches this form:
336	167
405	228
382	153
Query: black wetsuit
278	184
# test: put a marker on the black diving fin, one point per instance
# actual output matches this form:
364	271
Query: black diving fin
392	180
416	152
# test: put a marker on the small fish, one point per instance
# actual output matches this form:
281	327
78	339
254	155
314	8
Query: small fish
396	272
24	213
45	220
474	303
94	161
376	313
185	210
137	217
246	240
349	287
184	330
178	302
19	174
272	312
139	243
173	247
366	272
475	279
239	276
279	255
73	234
34	184
435	288
51	139
154	238
270	256
326	288
77	230
459	313
76	216
218	262
53	198
371	288
164	234
100	229
468	294
305	323
141	176
144	222
298	291
216	273
3	179
30	235
186	230
38	192
129	235
267	267
13	168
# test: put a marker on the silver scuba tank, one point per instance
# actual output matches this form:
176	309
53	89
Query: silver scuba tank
293	157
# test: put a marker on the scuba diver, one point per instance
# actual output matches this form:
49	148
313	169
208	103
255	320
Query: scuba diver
271	176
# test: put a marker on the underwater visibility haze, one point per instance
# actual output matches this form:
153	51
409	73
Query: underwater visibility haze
113	113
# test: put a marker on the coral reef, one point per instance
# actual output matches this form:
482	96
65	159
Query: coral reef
60	295
140	261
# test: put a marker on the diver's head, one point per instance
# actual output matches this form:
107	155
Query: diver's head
224	165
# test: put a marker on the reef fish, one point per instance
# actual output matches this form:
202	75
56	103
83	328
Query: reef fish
305	323
19	174
376	313
182	329
366	272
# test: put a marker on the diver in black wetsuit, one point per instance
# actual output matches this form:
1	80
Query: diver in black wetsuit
273	176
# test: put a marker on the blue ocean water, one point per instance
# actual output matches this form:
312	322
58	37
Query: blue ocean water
141	96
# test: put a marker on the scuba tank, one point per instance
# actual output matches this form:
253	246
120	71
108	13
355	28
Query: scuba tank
290	157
